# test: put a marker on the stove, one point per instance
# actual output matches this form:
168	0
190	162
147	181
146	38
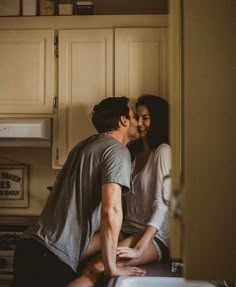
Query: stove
8	241
11	229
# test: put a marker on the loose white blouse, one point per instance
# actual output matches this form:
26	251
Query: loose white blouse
148	202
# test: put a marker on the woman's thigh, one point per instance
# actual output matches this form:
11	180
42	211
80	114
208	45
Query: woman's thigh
149	255
94	246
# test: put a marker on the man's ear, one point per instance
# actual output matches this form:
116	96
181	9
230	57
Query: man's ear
123	121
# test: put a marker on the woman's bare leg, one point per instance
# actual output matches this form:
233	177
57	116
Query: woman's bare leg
95	267
94	246
89	276
149	255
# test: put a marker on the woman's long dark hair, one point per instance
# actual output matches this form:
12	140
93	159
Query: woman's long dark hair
158	132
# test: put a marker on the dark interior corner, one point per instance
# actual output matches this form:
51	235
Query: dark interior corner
107	7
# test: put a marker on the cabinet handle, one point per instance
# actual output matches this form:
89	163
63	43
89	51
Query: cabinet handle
56	46
55	102
57	153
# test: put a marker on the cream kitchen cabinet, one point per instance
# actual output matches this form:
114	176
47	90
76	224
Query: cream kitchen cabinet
141	62
26	71
87	59
89	65
85	78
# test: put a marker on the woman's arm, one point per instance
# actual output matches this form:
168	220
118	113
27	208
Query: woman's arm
162	190
162	186
139	248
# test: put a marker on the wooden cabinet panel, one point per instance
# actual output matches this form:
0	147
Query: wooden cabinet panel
86	75
85	78
26	71
140	62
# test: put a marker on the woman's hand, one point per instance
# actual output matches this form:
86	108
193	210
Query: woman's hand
127	252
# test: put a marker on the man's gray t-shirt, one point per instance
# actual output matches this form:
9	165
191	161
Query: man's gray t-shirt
72	212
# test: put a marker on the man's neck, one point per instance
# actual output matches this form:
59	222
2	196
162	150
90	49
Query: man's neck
119	136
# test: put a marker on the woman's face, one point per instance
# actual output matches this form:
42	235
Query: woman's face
144	120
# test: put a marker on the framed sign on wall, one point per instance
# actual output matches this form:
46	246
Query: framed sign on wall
14	181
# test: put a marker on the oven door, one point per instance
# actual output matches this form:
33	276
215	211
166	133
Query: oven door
6	264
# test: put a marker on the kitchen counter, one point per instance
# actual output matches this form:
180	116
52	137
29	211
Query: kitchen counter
153	269
14	223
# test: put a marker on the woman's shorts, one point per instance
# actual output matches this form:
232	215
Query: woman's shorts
162	249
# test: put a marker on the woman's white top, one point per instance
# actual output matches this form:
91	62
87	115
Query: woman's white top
148	202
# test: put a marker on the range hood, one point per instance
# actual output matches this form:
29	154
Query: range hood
27	132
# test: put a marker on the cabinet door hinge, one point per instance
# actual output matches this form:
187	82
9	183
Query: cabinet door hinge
55	102
57	153
56	50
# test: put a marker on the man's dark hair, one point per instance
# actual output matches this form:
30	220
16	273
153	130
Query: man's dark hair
106	115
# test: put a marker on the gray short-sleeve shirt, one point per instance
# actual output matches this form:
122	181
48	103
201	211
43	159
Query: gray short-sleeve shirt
72	212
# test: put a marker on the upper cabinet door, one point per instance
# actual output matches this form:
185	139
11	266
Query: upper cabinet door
26	71
140	62
85	78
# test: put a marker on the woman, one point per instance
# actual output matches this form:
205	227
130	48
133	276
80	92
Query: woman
147	210
145	229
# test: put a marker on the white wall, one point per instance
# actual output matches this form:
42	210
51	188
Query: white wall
41	175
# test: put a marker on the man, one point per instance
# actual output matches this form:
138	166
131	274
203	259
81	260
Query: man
86	197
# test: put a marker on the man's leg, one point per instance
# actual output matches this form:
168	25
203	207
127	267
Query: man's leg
35	265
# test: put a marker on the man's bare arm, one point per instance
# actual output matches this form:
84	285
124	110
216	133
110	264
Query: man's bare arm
111	220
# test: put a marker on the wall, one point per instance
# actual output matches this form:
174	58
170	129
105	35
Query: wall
108	7
209	139
41	175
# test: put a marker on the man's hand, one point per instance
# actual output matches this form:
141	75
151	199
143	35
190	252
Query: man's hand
125	252
128	271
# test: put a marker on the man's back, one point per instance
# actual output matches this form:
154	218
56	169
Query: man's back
73	207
